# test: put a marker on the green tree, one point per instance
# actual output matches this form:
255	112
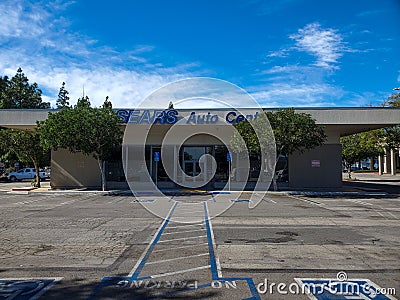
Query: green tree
393	100
26	145
107	104
63	98
357	147
83	102
291	132
390	136
4	99
295	132
92	131
21	94
352	151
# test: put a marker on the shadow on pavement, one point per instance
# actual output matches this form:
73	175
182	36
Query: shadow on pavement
376	187
77	289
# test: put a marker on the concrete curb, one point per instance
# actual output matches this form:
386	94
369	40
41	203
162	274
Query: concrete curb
128	192
60	192
309	193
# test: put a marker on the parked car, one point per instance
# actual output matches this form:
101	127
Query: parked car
25	173
355	168
47	171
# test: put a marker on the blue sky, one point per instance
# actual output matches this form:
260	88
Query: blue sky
283	52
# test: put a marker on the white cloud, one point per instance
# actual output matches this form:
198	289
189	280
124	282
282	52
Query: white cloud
125	88
369	13
325	44
279	53
18	20
36	37
301	95
281	69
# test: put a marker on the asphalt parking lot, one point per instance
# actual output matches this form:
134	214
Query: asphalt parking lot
92	246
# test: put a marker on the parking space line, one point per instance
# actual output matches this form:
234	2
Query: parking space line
359	202
187	231
307	200
214	260
182	247
380	214
119	200
270	200
28	201
183	226
186	211
146	254
394	216
180	272
210	245
34	200
183	239
176	258
375	208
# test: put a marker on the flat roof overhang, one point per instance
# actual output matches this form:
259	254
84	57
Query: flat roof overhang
343	121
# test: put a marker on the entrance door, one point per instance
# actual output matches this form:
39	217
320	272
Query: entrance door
192	165
192	168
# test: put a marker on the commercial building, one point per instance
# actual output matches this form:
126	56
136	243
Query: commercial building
319	167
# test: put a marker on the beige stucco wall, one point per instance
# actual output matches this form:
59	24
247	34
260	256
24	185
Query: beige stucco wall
329	174
74	170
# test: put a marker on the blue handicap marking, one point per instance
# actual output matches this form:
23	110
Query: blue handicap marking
156	156
334	289
25	288
146	286
228	157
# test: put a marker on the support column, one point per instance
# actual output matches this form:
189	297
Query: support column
126	159
385	162
392	162
176	162
380	162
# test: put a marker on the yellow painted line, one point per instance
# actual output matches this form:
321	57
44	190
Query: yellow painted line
40	189
193	191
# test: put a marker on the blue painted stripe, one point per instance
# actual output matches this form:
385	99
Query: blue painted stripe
120	200
222	193
141	278
253	289
98	288
153	244
212	196
241	200
250	283
213	262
